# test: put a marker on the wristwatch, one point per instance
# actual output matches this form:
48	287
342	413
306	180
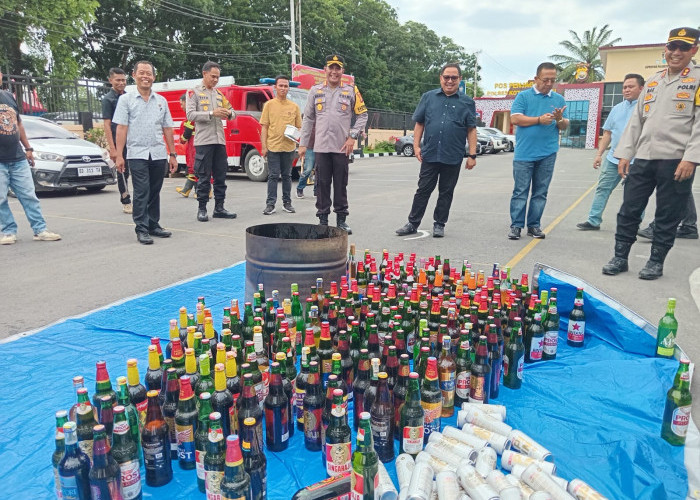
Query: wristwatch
211	113
29	149
174	155
473	157
353	134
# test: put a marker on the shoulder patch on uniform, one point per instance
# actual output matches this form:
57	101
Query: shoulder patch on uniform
652	84
685	72
682	95
190	93
688	80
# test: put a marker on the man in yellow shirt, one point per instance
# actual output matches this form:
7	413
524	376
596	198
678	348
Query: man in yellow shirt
276	147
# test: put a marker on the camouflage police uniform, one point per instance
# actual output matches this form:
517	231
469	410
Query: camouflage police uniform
663	130
211	159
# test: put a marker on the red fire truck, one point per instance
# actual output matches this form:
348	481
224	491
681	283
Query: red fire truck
243	132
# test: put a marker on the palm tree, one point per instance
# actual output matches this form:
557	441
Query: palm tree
584	54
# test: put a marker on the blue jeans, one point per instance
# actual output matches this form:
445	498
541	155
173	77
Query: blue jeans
537	174
308	167
607	182
18	176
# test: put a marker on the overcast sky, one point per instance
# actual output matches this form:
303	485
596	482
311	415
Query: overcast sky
515	35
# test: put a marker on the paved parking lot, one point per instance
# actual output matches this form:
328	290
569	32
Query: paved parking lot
99	260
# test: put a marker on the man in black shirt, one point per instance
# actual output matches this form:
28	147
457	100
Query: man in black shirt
15	174
117	78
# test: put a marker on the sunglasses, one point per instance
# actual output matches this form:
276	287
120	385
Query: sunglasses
452	78
548	80
683	47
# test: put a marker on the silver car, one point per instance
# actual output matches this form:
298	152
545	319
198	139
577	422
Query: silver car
63	161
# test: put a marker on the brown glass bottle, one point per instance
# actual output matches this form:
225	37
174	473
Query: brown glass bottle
313	409
382	420
447	368
431	399
172	395
155	439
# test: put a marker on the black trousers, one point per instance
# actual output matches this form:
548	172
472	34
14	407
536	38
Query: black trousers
147	178
671	201
331	168
210	160
432	174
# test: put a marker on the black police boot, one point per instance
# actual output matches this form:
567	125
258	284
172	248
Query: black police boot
220	212
340	222
654	268
202	212
323	219
618	264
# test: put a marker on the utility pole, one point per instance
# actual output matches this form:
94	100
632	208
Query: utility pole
476	69
294	39
299	20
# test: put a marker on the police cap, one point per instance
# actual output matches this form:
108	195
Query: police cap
335	59
684	35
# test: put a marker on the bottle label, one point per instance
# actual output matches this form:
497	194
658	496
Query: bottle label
105	489
212	484
551	338
121	427
431	417
462	384
665	345
57	483
299	401
521	367
141	409
338	459
576	331
536	348
413	439
357	485
447	386
680	420
477	390
578	301
276	421
172	433
326	368
312	424
86	446
69	487
156	456
506	365
185	443
381	430
131	479
199	457
233	418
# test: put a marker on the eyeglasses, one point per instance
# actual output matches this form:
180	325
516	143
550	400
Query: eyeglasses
683	47
548	80
449	78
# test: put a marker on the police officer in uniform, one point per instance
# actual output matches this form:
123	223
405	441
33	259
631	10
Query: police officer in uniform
663	135
328	114
206	107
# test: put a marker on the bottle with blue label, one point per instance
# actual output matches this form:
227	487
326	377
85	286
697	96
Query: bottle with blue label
186	420
74	468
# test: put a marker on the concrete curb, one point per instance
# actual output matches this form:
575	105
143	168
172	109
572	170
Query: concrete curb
374	155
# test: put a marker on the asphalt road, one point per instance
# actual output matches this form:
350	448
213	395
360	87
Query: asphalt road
99	260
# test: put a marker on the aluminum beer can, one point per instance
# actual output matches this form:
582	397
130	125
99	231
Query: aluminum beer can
489	408
404	470
528	446
475	416
582	491
509	458
441	452
538	479
464	437
485	461
435	463
474	484
386	489
453	446
506	490
421	485
525	490
447	486
498	442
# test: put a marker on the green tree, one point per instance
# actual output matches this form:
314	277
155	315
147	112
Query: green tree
584	50
45	29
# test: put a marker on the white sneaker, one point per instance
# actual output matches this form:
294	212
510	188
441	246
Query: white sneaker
8	239
127	208
47	236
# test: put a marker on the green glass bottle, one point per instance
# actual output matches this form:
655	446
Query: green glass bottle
514	357
411	419
205	382
666	333
678	404
132	414
201	438
60	450
236	482
365	463
215	458
126	453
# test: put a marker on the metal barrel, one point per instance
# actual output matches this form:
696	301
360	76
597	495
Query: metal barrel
280	254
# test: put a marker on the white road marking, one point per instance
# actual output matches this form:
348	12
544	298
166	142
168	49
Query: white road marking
423	234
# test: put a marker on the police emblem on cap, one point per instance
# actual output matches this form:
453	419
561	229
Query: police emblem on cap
681	32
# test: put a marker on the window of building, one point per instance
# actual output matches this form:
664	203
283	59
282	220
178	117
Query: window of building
612	95
575	135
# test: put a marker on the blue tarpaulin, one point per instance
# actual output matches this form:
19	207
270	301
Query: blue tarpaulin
597	409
